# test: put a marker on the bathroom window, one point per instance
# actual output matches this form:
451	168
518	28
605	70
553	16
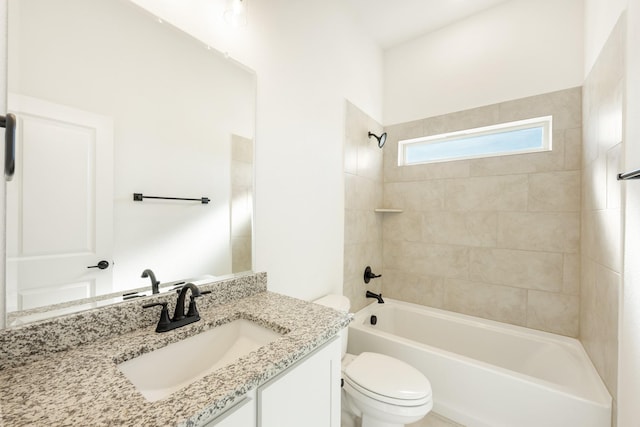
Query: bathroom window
524	136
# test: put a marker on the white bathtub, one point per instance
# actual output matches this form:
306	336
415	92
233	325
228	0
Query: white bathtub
485	373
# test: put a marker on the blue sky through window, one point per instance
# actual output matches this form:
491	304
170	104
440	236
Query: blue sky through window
468	146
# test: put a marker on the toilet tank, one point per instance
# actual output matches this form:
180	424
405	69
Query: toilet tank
340	303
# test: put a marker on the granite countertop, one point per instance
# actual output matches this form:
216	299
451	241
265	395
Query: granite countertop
83	386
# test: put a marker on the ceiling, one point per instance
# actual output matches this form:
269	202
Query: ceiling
392	22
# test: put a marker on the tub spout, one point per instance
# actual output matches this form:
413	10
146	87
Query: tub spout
376	296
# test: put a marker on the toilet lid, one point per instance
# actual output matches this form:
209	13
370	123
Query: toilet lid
388	377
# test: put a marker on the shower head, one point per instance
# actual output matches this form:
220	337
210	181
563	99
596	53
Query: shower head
381	139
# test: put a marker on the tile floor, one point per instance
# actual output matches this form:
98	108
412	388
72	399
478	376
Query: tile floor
435	420
431	420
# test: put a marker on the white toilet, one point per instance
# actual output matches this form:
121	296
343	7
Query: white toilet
383	391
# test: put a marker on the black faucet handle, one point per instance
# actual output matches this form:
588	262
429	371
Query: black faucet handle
164	321
368	274
193	309
154	304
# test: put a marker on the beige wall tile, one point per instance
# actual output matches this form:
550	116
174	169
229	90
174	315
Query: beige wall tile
390	170
367	194
572	149
363	193
241	253
370	158
427	259
501	226
564	105
609	113
601	259
493	193
554	192
614	167
355	125
588	246
408	130
549	232
391	254
241	174
350	157
241	149
351	230
460	228
599	320
455	169
606	246
403	227
553	312
522	269
350	191
415	196
589	129
601	234
414	288
356	258
594	185
462	120
523	163
494	302
362	227
571	274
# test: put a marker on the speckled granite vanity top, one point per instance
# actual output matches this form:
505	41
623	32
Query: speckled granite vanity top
82	386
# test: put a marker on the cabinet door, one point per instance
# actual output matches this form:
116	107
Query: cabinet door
307	394
241	415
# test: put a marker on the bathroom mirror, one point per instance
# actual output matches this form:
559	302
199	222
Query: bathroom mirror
111	102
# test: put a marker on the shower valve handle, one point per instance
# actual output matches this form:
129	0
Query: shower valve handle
368	275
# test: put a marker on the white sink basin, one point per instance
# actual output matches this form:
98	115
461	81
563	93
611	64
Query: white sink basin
162	372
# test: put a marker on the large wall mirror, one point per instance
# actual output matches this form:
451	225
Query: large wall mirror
111	102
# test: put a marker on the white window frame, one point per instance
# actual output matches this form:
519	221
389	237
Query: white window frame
545	122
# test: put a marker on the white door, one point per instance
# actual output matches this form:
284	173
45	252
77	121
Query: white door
59	204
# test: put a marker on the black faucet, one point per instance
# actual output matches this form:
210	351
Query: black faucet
154	283
376	296
179	318
178	314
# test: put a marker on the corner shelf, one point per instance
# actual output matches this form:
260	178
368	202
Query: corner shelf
387	210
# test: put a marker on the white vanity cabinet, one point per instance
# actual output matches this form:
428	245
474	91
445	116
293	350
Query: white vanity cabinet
306	394
242	414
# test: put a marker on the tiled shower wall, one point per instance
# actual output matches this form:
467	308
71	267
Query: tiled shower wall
363	193
496	237
601	207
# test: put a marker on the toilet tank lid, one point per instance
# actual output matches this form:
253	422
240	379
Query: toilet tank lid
335	301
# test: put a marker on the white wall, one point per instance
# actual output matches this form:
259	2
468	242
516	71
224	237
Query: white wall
308	57
600	16
517	49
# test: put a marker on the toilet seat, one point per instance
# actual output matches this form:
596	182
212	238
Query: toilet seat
387	380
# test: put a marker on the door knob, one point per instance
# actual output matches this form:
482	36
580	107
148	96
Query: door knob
101	265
